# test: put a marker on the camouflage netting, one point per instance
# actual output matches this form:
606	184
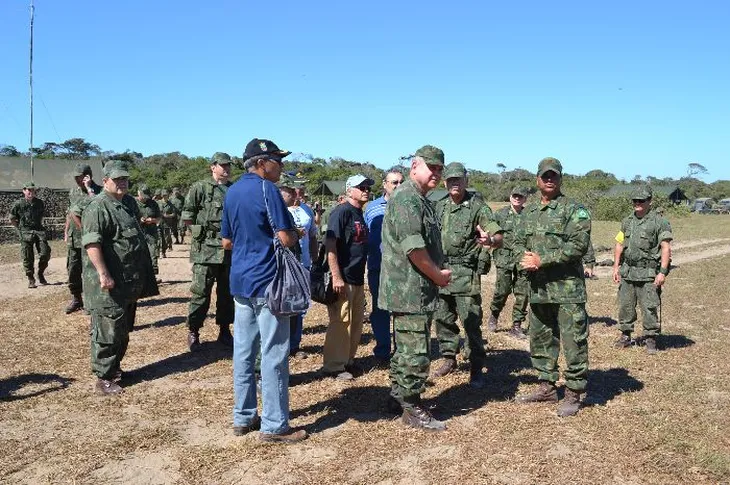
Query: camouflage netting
56	206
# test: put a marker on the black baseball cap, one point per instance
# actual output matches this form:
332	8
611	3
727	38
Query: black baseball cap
259	146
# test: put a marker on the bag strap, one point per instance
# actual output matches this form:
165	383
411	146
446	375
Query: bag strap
277	243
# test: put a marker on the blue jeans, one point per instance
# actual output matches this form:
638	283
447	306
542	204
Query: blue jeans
254	328
379	319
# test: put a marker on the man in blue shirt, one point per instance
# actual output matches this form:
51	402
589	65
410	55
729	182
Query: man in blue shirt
374	212
253	214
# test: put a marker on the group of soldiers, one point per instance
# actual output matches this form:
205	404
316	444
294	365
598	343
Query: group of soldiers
433	257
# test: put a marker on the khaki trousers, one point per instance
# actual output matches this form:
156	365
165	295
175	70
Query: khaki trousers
345	328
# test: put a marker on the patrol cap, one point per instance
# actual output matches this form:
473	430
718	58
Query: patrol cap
286	181
641	192
548	164
220	158
359	179
453	170
431	154
259	146
29	185
145	190
164	192
158	192
520	190
116	168
176	189
82	169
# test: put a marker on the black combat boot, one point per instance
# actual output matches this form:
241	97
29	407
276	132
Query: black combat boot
476	377
107	388
446	368
417	416
193	340
517	332
31	281
74	305
623	341
41	278
224	336
547	392
492	324
571	403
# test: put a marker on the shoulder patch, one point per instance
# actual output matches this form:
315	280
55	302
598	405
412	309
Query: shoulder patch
583	214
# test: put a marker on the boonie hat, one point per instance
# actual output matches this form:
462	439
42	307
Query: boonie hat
454	169
356	180
549	164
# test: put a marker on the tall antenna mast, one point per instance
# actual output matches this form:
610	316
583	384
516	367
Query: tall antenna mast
32	12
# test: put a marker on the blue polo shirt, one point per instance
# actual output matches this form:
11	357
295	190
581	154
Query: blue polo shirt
374	213
246	223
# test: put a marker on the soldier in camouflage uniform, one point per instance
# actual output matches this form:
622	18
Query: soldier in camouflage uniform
163	226
551	239
589	261
178	202
149	218
79	197
461	215
211	263
510	278
169	218
411	274
27	215
117	271
641	265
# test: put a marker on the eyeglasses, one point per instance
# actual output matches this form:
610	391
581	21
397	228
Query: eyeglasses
549	175
363	188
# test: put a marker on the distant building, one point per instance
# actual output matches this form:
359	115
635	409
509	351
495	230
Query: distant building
671	192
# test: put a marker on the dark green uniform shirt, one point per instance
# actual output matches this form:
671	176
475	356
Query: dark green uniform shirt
409	223
114	224
507	218
204	207
78	199
149	208
29	214
642	240
560	232
466	258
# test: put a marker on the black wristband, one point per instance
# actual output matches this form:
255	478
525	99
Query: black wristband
664	271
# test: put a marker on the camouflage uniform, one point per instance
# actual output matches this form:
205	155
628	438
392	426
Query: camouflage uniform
114	225
178	202
149	208
510	278
410	223
29	216
78	200
640	261
467	261
559	232
169	219
211	263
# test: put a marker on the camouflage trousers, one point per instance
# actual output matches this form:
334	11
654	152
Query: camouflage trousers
164	239
410	363
204	276
174	225
110	329
29	242
468	308
510	280
182	229
648	297
552	324
73	268
154	247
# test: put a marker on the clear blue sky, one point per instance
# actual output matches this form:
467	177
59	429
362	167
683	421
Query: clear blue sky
639	87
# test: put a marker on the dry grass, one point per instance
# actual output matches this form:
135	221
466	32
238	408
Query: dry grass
661	419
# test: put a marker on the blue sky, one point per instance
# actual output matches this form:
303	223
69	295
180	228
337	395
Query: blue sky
626	87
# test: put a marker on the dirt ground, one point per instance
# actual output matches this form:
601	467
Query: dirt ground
649	419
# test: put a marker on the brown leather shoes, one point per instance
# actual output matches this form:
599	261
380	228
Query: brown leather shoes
74	305
446	368
417	416
570	405
286	438
255	425
547	392
107	388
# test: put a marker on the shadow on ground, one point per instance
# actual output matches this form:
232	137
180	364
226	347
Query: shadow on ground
607	321
209	353
167	322
321	328
162	301
674	341
11	389
605	385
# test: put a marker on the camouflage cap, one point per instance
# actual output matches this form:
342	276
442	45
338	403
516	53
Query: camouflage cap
164	192
82	169
220	158
286	181
158	192
641	192
548	164
115	169
29	185
431	154
454	170
520	190
144	190
176	189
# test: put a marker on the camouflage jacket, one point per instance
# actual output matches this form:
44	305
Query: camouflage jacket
409	223
589	258
560	232
114	224
78	199
149	208
178	203
169	213
462	254
642	240
29	215
507	219
204	208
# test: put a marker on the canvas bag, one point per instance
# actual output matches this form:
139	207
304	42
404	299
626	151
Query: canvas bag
288	294
322	291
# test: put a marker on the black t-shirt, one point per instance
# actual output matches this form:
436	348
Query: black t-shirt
347	225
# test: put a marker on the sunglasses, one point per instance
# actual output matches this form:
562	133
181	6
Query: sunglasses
639	201
363	188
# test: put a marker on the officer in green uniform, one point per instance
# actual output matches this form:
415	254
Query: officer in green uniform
211	263
79	197
510	279
161	236
149	218
551	239
461	215
27	215
641	265
117	271
178	202
411	274
169	218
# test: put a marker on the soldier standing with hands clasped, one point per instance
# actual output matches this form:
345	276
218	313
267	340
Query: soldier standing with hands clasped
27	215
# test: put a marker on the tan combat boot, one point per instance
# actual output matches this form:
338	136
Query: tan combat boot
547	392
570	405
